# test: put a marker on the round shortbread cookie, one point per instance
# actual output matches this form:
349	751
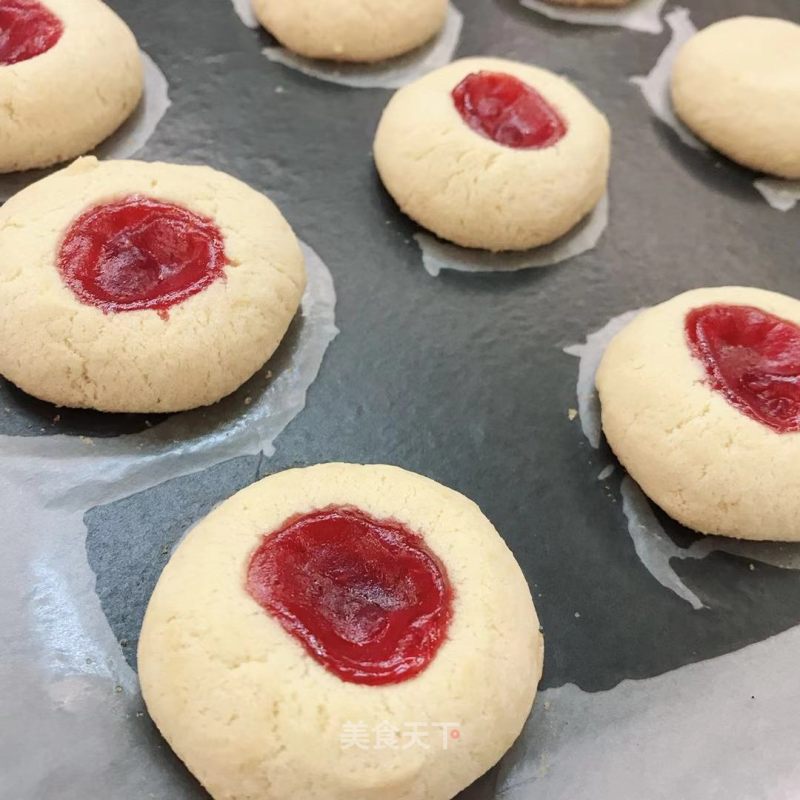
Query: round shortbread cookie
174	309
701	403
64	101
474	191
736	84
370	30
253	713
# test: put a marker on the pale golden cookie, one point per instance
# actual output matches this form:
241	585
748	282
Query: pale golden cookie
369	30
708	463
736	84
191	347
475	192
254	715
62	103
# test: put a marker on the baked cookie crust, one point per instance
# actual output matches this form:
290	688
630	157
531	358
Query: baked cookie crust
341	30
736	84
474	192
65	351
253	715
706	463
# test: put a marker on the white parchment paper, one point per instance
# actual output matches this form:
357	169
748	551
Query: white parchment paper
643	16
125	142
781	195
244	10
722	729
438	254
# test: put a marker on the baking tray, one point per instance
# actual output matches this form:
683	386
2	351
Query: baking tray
463	378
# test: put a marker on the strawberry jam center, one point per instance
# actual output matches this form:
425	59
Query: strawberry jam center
365	597
140	253
507	111
27	29
752	358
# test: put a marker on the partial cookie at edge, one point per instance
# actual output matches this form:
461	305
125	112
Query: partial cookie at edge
66	101
736	84
706	463
339	30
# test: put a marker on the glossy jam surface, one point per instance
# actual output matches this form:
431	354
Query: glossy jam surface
507	111
27	29
365	597
752	358
139	253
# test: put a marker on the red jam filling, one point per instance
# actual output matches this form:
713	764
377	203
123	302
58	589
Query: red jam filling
365	597
752	358
507	111
27	29
139	253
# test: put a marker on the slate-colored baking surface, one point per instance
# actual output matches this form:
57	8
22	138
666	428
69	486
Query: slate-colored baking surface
463	377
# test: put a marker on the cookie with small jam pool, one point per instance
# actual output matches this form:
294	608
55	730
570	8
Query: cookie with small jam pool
341	631
70	75
493	154
701	403
136	287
